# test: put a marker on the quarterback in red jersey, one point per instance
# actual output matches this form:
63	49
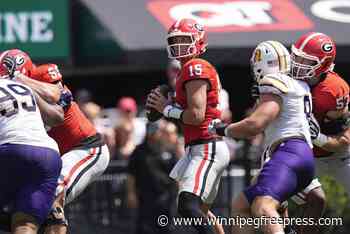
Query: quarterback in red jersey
197	99
83	152
313	57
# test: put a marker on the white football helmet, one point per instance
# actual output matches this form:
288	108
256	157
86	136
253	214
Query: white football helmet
269	57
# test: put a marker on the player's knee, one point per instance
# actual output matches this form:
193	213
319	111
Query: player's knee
189	205
263	206
317	198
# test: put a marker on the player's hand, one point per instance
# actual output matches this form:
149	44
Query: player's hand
217	127
9	63
65	99
156	100
315	129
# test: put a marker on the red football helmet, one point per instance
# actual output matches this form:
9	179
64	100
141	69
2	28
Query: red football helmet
186	38
23	61
312	55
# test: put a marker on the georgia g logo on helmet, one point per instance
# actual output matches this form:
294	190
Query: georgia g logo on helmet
327	47
20	60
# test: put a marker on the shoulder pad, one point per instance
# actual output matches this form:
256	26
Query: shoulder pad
198	68
275	81
48	73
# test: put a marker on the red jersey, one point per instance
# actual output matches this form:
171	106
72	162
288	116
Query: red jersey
73	131
199	69
331	94
76	127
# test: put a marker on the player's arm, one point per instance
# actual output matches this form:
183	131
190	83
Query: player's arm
196	92
196	85
268	110
52	114
329	143
51	93
194	114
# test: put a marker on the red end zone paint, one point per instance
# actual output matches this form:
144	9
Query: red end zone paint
234	15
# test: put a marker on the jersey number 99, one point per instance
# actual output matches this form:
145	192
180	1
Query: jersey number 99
14	97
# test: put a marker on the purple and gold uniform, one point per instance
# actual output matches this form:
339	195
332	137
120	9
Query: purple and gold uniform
289	164
29	161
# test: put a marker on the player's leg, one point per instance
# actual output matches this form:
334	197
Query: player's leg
23	223
80	168
200	180
313	201
218	226
34	199
206	206
241	208
90	166
290	169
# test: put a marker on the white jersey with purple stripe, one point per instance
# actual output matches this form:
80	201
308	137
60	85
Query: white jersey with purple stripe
296	106
20	118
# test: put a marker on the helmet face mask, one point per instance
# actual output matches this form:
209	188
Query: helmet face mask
312	55
303	66
181	45
23	62
186	38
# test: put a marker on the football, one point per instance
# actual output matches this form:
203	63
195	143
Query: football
152	114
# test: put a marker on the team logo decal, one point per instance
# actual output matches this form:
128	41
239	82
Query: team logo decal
257	55
327	47
199	27
19	60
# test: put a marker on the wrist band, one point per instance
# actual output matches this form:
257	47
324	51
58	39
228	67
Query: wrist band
174	112
321	140
226	131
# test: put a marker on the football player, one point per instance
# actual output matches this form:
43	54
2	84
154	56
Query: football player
282	114
84	154
29	158
313	56
197	98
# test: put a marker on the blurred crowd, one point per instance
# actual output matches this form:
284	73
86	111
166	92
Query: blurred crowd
150	151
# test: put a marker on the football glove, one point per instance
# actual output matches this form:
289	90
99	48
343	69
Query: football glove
65	99
217	127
